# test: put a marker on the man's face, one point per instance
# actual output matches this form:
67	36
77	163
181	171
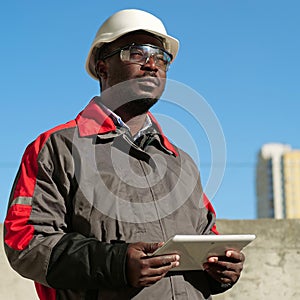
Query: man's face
136	81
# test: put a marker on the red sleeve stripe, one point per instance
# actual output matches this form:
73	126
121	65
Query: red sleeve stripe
44	292
29	166
209	206
18	231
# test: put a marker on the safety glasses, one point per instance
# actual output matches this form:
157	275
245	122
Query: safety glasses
140	54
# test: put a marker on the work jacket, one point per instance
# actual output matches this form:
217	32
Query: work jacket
84	190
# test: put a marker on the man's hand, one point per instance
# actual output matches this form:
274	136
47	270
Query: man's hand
143	270
225	269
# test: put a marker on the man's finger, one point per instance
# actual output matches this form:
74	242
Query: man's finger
152	275
151	247
163	260
165	268
237	255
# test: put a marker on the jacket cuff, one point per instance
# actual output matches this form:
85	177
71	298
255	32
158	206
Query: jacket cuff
119	265
87	263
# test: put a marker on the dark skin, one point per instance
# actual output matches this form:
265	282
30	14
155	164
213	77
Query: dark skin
147	81
227	268
133	81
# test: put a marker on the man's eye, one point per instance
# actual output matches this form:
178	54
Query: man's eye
160	57
136	54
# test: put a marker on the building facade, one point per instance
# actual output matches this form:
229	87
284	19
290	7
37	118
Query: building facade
278	182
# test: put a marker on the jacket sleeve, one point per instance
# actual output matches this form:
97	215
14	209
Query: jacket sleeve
37	238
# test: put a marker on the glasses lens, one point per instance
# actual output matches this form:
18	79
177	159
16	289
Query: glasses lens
141	53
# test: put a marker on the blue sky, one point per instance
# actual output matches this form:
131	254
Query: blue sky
241	56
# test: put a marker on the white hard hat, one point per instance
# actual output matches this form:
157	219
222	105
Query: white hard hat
126	21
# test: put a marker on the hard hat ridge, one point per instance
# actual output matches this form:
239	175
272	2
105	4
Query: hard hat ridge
126	21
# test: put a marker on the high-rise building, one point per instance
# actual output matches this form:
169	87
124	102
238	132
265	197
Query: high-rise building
291	175
278	182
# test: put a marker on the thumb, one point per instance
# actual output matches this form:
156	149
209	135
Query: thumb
151	247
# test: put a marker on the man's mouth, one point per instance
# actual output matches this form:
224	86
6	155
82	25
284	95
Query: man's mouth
149	82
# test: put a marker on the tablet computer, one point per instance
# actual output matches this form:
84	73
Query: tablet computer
195	249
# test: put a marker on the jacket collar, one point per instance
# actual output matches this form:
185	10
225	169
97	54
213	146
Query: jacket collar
93	121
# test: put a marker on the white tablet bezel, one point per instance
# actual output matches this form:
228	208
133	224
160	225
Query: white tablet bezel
195	249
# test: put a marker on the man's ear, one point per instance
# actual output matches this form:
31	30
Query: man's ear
101	69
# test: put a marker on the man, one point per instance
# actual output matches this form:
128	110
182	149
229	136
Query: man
95	196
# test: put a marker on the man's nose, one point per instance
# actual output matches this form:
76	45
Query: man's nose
150	63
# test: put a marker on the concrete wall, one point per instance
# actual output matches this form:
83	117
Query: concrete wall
271	268
272	263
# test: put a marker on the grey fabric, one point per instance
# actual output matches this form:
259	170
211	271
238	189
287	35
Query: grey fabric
108	187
